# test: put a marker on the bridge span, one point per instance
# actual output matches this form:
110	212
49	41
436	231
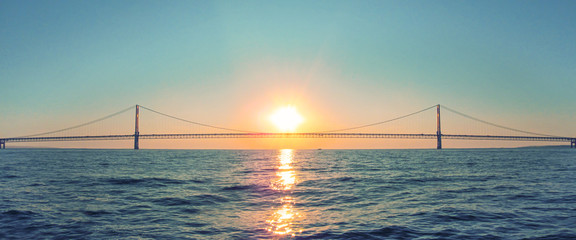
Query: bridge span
438	135
290	135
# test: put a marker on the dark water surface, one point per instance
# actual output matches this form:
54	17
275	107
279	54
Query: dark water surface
527	193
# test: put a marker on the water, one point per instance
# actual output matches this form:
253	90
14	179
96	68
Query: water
525	193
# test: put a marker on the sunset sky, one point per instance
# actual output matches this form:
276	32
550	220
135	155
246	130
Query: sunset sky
340	63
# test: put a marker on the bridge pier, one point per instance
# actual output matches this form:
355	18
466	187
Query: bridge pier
136	131
438	131
2	144
573	143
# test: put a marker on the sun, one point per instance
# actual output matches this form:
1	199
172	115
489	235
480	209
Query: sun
286	119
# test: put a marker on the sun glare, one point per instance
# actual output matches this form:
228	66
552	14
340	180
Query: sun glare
286	119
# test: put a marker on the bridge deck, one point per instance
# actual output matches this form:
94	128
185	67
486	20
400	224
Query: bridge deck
289	135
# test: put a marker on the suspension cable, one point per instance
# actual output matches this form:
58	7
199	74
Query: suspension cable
495	125
81	125
330	131
378	123
196	123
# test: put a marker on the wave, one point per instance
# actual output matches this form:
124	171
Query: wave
194	200
18	214
390	232
154	181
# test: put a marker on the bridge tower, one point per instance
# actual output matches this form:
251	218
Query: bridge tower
136	131
438	131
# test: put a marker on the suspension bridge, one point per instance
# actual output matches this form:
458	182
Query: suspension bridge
224	133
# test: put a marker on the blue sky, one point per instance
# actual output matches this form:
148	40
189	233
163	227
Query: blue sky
228	62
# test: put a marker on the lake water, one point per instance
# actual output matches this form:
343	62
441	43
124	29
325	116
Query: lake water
527	193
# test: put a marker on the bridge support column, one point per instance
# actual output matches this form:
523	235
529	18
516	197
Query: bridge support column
438	131
573	143
2	144
136	130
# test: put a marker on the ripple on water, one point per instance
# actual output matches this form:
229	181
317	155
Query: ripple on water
193	200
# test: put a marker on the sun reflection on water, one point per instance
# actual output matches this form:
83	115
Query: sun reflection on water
282	220
286	174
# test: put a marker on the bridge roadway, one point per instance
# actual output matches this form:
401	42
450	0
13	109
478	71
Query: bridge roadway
288	135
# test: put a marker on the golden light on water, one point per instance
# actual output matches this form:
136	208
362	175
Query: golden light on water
286	158
287	180
286	175
282	220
